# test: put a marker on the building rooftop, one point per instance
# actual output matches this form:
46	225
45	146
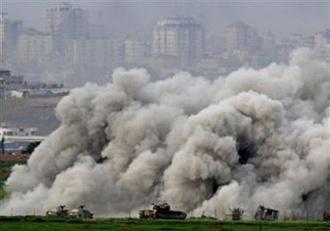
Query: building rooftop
177	21
32	31
63	6
239	24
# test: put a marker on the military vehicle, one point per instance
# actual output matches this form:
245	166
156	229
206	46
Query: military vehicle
80	213
264	213
60	212
147	213
161	210
237	214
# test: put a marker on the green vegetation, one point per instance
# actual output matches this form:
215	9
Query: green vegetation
42	223
32	223
5	168
6	165
2	191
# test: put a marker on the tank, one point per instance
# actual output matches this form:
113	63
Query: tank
264	213
60	212
161	210
147	213
80	213
237	214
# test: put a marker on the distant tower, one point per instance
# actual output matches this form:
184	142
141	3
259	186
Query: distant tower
135	51
9	33
181	38
2	41
321	40
241	37
65	22
269	42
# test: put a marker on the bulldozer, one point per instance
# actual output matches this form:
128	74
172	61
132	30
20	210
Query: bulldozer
59	212
268	214
80	213
161	210
236	214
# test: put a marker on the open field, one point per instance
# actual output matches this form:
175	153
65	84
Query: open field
32	223
41	224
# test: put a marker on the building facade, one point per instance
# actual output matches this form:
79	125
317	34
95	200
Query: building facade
93	53
242	38
135	51
322	39
34	47
179	38
9	33
66	22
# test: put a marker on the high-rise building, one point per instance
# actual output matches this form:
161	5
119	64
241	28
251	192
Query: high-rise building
66	22
321	43
299	40
322	39
241	37
34	47
135	51
180	38
269	42
93	53
9	32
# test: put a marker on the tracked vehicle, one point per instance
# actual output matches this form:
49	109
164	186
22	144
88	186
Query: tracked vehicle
80	213
267	214
161	210
237	214
59	212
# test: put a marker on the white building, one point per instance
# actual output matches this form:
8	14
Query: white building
34	47
66	22
240	37
179	38
135	51
93	53
269	42
322	39
13	131
9	32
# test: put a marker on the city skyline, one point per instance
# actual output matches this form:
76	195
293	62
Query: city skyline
314	14
72	48
216	110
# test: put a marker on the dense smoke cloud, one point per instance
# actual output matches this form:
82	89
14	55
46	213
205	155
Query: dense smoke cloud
252	137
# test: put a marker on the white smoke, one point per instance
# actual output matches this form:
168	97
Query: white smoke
252	137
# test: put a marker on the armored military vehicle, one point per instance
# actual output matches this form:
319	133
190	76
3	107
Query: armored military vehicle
80	213
264	213
161	210
147	213
237	214
60	212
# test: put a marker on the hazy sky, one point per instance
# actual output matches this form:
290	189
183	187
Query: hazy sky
121	17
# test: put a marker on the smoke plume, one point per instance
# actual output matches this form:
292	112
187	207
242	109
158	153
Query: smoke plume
252	137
